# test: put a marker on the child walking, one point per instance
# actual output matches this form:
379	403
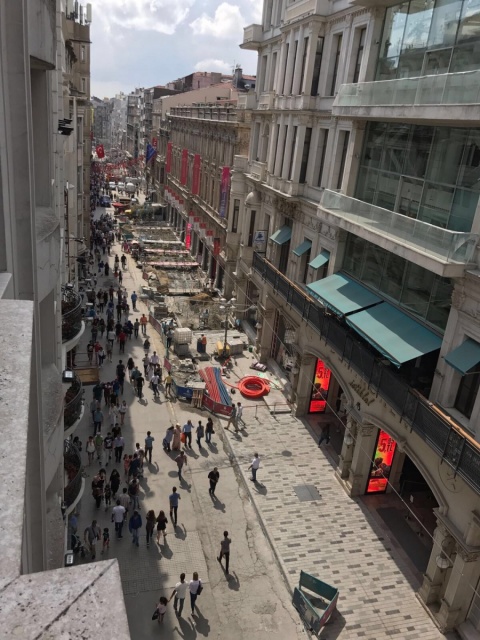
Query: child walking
106	540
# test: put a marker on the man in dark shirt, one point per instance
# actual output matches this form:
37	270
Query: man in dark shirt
140	383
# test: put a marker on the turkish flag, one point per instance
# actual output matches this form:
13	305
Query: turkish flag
100	151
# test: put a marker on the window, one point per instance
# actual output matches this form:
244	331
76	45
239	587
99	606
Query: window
84	85
82	53
292	153
304	63
303	270
262	81
282	160
305	154
267	225
343	141
316	67
255	141
467	392
265	142
322	151
359	58
337	49
287	48
251	228
236	211
268	14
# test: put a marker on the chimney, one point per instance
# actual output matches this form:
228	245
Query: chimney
237	76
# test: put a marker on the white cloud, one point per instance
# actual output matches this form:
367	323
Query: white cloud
162	16
256	7
226	23
212	64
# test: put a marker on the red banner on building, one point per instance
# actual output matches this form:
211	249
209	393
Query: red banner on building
216	246
154	143
224	190
184	169
188	236
209	233
100	151
196	175
168	161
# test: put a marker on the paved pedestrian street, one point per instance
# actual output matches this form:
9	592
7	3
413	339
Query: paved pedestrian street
297	516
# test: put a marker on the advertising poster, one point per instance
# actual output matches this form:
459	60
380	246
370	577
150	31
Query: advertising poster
196	175
260	241
168	161
321	384
224	189
184	169
188	236
382	463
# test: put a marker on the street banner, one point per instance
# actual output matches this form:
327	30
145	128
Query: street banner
216	246
184	169
168	162
196	175
188	236
224	189
151	152
100	151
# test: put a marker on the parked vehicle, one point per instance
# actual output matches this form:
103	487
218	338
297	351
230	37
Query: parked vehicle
130	187
105	201
112	185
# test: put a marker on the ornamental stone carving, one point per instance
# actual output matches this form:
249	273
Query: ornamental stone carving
285	207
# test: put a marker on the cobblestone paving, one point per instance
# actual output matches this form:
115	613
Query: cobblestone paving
333	537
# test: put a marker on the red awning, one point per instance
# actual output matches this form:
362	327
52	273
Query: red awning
119	205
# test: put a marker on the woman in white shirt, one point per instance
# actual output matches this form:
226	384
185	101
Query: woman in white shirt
195	588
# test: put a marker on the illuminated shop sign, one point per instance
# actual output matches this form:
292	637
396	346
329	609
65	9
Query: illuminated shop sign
382	463
321	384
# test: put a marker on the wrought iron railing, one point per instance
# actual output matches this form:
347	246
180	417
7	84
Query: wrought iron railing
71	314
73	403
453	446
72	464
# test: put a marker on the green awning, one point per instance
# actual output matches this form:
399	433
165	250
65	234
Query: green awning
341	294
282	235
303	248
397	336
322	258
464	357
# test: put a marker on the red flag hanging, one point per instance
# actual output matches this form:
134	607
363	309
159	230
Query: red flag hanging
100	151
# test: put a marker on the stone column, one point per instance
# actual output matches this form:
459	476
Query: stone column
288	149
459	592
304	384
297	74
279	152
433	580
348	446
267	333
310	63
361	459
272	143
298	152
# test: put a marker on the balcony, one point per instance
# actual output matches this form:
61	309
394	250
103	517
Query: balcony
73	409
304	8
266	100
252	37
444	252
72	464
449	441
445	98
258	170
247	100
72	325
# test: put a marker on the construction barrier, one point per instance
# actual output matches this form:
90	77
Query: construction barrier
216	407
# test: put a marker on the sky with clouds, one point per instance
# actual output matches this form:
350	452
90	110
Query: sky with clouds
142	43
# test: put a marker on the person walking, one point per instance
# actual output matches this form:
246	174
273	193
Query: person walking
108	447
130	367
143	324
177	442
173	498
154	380
99	447
136	327
209	430
90	449
225	550
161	526
90	537
179	593
118	518
94	405
140	383
239	416
168	385
149	446
97	420
254	467
118	445
125	501
134	298
134	526
98	484
213	477
122	338
187	430
232	418
168	439
150	525
122	410
325	434
133	492
199	432
195	588
161	609
181	460
114	483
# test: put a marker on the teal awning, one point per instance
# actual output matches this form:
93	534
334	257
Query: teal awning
322	258
341	294
464	357
397	336
303	248
282	235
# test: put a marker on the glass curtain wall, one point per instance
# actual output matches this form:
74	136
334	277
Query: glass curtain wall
428	173
417	290
427	37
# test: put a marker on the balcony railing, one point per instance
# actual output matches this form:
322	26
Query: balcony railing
72	464
451	444
452	247
443	89
71	314
73	403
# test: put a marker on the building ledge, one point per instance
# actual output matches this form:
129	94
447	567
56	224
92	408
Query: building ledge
77	602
